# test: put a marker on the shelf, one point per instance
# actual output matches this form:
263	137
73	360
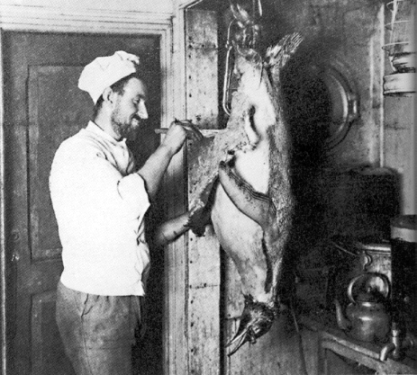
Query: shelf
366	354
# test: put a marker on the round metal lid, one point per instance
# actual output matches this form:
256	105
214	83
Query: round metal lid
404	227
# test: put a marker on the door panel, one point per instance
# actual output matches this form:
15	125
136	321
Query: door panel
44	107
49	87
49	123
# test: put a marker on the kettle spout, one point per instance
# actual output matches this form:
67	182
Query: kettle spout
342	322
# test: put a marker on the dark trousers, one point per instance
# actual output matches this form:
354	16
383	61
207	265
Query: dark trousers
98	331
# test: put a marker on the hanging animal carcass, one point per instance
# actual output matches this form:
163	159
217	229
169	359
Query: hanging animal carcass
244	185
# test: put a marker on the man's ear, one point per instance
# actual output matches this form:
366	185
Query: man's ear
108	95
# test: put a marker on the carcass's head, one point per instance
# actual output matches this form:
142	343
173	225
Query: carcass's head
256	320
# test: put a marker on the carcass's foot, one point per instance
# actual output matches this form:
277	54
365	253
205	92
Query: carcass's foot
257	319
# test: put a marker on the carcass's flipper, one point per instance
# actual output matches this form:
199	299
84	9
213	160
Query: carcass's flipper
277	56
256	320
257	206
202	215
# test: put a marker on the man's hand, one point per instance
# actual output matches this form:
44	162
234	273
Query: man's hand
171	230
156	165
178	132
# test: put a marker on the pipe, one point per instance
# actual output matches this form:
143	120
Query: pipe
393	346
227	72
386	349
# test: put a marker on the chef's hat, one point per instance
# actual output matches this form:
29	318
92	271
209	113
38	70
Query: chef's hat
102	72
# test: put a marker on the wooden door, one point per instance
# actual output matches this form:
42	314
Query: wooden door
43	106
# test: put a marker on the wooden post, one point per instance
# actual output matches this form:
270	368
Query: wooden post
203	300
192	274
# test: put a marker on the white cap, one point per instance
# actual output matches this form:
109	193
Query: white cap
102	72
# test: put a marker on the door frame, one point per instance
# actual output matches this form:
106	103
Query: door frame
170	30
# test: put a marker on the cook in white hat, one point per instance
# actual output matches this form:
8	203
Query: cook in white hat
100	199
105	71
115	80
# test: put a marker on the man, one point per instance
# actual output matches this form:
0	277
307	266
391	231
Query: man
100	201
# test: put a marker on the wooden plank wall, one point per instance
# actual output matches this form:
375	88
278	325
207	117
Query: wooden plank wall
201	67
203	300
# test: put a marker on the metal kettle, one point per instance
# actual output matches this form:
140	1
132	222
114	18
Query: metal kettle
367	317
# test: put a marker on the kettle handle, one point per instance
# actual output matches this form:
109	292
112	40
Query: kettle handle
367	260
368	274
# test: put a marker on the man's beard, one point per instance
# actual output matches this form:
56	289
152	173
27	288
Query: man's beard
123	129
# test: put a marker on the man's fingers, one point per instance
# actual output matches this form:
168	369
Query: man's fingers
190	129
193	132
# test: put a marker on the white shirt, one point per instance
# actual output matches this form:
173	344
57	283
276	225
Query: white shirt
100	204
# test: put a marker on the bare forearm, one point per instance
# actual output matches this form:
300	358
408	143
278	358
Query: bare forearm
154	168
156	165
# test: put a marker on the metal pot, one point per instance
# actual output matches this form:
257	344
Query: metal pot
356	256
376	257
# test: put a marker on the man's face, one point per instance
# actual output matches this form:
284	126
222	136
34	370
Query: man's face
129	109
